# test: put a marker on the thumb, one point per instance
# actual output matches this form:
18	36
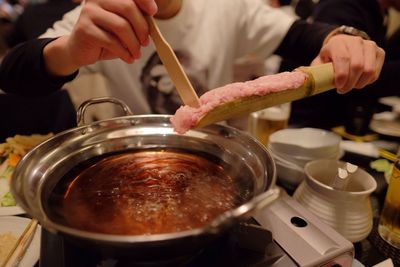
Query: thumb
317	61
148	6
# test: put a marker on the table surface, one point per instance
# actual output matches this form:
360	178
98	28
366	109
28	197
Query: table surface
366	251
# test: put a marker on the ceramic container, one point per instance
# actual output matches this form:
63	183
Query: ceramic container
348	211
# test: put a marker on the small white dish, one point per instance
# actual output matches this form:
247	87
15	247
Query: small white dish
389	100
305	142
16	225
14	210
386	123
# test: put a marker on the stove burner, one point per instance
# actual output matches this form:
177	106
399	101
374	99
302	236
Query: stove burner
299	239
246	245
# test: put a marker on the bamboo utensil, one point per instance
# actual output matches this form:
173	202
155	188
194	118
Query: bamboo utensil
20	247
321	79
174	68
387	154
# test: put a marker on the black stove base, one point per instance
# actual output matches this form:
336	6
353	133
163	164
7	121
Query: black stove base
246	245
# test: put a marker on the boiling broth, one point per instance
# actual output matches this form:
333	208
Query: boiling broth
144	192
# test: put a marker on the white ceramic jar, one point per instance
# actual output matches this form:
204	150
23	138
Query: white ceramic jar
348	211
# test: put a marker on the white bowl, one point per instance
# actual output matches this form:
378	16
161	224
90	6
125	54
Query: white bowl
302	161
309	143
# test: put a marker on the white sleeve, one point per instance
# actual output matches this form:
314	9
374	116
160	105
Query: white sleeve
63	26
262	28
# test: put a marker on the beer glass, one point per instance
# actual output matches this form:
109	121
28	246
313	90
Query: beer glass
389	222
267	121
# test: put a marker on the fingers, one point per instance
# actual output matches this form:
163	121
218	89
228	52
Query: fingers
114	28
357	62
372	65
117	26
148	6
111	47
350	65
105	29
129	11
380	59
338	53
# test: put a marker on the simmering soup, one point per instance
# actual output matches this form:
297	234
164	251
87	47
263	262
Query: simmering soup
144	192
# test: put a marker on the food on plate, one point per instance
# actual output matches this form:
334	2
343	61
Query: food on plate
10	154
7	242
382	165
187	117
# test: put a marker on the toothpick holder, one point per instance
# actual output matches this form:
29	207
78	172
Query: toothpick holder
348	211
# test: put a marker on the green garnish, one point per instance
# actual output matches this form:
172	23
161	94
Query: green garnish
8	200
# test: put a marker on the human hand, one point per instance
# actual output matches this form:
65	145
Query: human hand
106	29
357	62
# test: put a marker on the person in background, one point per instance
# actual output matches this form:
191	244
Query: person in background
304	8
357	107
207	36
36	19
10	10
35	115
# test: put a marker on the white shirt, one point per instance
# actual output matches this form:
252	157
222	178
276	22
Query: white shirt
207	37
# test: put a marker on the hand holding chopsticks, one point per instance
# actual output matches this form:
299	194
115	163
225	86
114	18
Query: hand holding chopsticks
20	247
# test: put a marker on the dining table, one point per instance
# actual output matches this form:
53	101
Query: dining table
371	250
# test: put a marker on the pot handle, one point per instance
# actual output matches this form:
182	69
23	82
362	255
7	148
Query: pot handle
244	211
80	114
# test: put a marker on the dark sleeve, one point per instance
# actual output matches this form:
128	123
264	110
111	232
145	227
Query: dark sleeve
303	41
340	12
388	81
16	34
23	72
393	46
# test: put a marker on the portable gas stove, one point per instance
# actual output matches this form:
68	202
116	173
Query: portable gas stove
283	234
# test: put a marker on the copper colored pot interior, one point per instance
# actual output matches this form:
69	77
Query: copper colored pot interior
141	192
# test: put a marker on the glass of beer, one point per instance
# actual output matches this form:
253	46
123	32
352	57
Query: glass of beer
267	121
389	222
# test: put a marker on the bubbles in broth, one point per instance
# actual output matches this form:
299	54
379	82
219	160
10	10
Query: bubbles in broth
144	192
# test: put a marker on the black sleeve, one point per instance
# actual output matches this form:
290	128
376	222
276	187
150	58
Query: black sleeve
340	12
23	72
303	41
15	35
387	83
364	15
393	46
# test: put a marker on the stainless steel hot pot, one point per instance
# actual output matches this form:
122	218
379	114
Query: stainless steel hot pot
41	169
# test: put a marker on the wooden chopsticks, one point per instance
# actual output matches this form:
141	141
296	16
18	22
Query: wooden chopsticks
387	154
20	247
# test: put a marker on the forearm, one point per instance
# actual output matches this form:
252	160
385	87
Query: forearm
23	70
303	41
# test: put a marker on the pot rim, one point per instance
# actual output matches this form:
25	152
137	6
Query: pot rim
214	227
